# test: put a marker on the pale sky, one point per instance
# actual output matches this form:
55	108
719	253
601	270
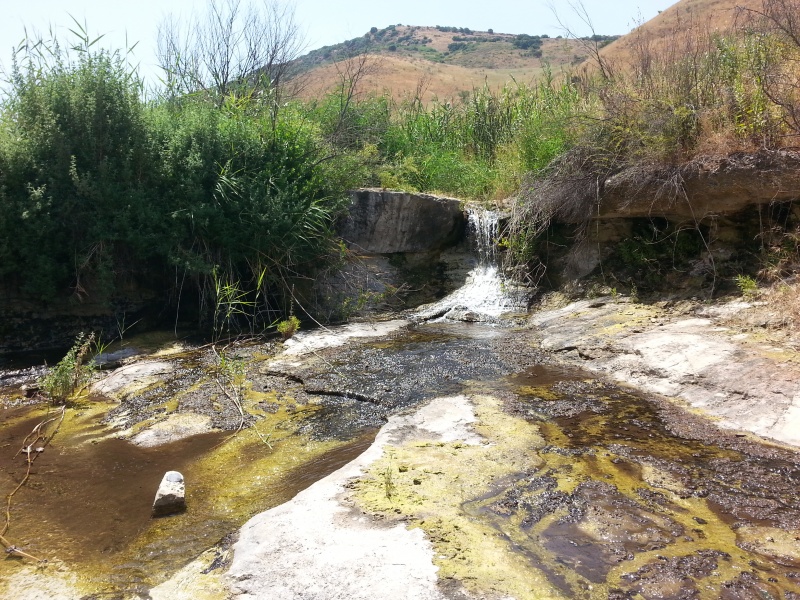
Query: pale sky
324	21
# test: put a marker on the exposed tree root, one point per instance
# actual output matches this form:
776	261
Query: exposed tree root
32	446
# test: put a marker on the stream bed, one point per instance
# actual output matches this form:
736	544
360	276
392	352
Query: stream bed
580	489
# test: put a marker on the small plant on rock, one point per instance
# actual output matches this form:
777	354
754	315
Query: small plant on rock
71	373
747	286
289	327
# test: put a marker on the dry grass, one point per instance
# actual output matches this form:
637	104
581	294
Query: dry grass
782	302
401	77
496	64
659	32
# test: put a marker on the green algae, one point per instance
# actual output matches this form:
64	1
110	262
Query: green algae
430	481
87	507
597	502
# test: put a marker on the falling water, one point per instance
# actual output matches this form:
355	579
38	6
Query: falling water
486	294
483	231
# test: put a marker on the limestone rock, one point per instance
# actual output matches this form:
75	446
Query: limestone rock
171	495
131	377
177	426
387	222
711	185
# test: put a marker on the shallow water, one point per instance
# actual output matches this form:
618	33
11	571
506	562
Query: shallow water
621	506
87	503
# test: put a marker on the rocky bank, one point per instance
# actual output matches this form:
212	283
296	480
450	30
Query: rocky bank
394	523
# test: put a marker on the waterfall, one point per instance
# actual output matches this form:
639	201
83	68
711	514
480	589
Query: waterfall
483	231
486	294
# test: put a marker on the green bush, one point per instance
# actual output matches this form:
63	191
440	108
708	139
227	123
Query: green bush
289	327
76	174
71	373
100	189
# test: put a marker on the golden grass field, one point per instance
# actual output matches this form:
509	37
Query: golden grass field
404	73
707	15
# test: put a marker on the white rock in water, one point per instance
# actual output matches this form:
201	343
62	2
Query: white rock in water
171	495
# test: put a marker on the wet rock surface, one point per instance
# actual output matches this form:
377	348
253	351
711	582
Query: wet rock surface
524	479
688	353
626	508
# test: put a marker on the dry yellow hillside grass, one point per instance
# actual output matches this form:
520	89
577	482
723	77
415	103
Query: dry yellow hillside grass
404	74
402	78
659	32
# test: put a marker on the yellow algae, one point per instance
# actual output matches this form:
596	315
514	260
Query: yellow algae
550	508
543	392
172	350
201	579
229	478
426	484
772	542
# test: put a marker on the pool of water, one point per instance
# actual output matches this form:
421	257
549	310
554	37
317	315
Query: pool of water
624	506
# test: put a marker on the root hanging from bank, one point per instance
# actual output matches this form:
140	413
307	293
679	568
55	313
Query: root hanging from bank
32	446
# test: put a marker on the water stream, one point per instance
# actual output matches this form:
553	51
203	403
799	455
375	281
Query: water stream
598	492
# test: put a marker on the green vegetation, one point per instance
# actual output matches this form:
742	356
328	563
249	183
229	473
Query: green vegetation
747	286
195	197
415	42
288	327
71	373
700	93
479	148
219	194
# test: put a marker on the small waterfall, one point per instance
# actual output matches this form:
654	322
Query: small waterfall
483	231
486	294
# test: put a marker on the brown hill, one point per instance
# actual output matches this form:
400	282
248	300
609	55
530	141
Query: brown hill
448	62
438	62
662	31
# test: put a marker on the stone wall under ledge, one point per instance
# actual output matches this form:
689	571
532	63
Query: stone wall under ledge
387	222
404	249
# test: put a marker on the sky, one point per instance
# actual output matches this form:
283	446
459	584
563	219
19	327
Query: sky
324	22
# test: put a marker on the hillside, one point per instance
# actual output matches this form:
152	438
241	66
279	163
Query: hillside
662	31
440	62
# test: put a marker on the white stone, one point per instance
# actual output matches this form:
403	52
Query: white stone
351	557
177	426
131	377
171	495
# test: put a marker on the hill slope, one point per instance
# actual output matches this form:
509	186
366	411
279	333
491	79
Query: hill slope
661	31
441	62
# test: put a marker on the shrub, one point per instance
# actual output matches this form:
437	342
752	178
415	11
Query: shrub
78	168
747	286
99	189
71	373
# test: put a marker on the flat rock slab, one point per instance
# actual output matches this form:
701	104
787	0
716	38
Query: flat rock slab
130	377
694	359
316	547
177	426
319	339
